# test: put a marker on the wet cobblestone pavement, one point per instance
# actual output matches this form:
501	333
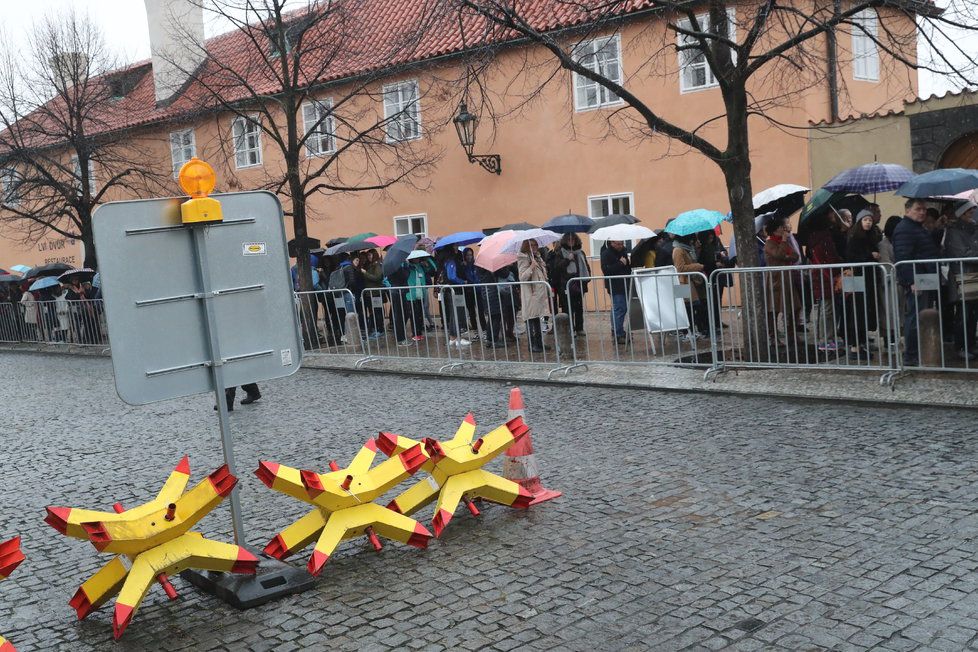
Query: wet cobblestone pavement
687	521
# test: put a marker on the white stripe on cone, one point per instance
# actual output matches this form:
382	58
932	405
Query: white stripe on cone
523	469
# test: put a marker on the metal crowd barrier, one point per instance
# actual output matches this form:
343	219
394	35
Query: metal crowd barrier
839	317
323	323
10	325
490	319
807	316
79	323
938	315
654	316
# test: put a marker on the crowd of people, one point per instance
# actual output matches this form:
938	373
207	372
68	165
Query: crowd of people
68	312
492	305
842	245
497	307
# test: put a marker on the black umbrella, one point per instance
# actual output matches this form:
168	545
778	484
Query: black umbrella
307	242
398	253
351	247
940	183
518	226
332	242
569	223
53	269
10	278
612	220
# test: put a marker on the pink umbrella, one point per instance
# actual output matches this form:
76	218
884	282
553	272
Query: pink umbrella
382	241
491	256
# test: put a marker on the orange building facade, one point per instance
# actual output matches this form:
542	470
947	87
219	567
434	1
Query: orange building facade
557	155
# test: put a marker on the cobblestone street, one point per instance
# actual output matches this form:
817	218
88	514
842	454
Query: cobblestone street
687	521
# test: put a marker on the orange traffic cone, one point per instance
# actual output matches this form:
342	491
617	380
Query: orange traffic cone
520	465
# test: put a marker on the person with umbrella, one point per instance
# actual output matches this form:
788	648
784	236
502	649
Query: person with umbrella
84	321
474	304
911	241
31	313
534	297
421	269
860	307
961	241
685	259
614	262
569	262
449	266
782	295
824	240
373	281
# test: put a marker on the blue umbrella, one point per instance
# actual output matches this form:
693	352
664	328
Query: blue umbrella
44	282
694	221
940	183
460	238
872	177
569	223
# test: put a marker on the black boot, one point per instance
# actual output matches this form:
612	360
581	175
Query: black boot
536	336
229	396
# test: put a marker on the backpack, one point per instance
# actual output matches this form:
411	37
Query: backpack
338	279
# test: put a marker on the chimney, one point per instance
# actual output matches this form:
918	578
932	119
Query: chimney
69	68
176	38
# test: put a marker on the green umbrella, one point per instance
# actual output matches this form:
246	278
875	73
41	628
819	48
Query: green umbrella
822	199
361	236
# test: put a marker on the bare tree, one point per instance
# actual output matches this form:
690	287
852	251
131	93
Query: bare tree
60	152
312	84
762	54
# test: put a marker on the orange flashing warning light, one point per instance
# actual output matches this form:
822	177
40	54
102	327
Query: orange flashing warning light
198	179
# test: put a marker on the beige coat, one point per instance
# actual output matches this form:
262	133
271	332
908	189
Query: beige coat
535	298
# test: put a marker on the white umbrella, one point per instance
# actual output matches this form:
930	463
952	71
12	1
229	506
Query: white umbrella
774	193
515	242
624	232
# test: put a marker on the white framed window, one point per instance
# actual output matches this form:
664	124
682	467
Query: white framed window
602	56
621	203
9	183
317	125
246	133
408	224
183	147
402	111
694	71
76	170
865	56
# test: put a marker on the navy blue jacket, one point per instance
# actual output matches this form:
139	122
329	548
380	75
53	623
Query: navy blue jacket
611	265
911	241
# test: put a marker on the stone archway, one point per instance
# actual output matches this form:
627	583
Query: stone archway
962	153
934	133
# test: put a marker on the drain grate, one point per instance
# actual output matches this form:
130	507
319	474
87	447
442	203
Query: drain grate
750	625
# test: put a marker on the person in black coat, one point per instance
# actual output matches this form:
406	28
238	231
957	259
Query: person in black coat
860	307
614	262
911	241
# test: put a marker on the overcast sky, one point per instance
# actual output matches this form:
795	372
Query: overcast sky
124	24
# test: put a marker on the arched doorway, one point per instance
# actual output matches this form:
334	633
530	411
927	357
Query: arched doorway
963	153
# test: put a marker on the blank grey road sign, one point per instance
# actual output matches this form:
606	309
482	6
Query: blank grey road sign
154	299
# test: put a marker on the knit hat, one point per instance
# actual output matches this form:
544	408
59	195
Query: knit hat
864	213
964	207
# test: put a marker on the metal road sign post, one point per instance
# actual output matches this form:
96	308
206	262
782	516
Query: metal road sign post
198	307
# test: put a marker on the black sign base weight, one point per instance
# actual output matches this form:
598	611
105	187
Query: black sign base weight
274	579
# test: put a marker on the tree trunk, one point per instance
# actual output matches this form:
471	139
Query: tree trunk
88	243
308	303
736	168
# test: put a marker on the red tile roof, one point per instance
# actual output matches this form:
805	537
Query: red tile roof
379	35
